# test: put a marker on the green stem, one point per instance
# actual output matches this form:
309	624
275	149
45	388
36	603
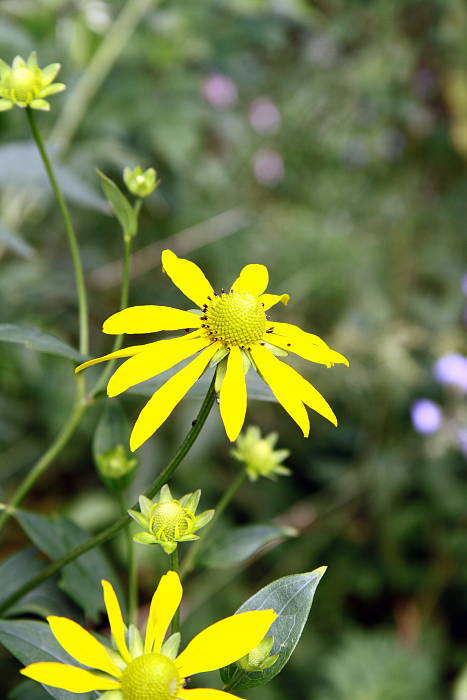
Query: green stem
112	530
72	239
190	560
132	571
174	566
41	465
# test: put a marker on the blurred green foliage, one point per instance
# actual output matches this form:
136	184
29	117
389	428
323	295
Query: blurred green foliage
326	139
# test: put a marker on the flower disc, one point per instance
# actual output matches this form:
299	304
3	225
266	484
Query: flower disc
150	677
236	318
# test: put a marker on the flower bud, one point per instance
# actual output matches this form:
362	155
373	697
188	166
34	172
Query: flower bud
114	462
258	454
25	84
259	658
140	183
116	467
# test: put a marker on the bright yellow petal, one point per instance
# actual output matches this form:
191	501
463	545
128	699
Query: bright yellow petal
233	396
224	642
81	645
124	352
270	300
188	277
273	373
150	319
163	401
307	345
117	625
253	279
204	694
71	678
159	357
164	605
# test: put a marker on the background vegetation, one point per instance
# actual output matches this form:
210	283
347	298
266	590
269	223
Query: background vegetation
326	139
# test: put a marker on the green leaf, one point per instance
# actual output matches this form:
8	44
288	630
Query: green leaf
32	642
120	206
241	543
291	597
15	243
34	339
28	690
81	579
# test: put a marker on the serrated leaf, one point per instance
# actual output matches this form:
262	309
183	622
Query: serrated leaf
241	543
120	205
81	578
291	597
34	339
32	642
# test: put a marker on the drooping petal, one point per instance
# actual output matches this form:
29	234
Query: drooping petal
81	645
150	319
272	371
117	625
52	89
49	73
270	300
164	605
233	395
159	357
188	277
163	401
253	279
205	694
224	642
71	678
305	348
124	352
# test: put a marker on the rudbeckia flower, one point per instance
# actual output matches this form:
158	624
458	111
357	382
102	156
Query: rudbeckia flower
232	331
25	84
149	670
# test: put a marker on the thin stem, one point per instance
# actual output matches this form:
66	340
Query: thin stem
72	239
41	465
174	566
112	530
132	572
190	559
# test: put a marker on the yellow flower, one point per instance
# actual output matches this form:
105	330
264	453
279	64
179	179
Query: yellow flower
149	670
25	84
232	331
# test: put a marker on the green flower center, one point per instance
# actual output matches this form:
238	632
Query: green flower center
235	318
23	84
169	521
150	677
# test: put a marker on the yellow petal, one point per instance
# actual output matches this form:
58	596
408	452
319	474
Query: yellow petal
71	678
150	319
270	300
204	694
164	605
124	352
81	645
253	279
224	642
117	625
273	373
159	357
233	396
307	345
188	277
163	401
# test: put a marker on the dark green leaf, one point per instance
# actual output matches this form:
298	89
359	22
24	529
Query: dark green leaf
291	597
15	243
120	205
34	339
28	690
241	543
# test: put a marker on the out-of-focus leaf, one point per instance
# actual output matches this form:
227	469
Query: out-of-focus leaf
15	243
291	597
241	543
82	578
32	642
22	166
34	339
28	690
120	205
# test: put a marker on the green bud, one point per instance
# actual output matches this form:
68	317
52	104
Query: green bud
24	84
141	183
116	468
114	462
259	658
258	454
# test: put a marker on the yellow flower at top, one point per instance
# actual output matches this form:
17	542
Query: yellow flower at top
26	85
233	332
149	669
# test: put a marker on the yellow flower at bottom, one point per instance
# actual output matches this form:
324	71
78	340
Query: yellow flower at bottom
149	670
232	331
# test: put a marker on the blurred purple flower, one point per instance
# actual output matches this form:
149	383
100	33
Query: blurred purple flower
452	369
264	116
464	284
219	90
268	166
426	416
462	439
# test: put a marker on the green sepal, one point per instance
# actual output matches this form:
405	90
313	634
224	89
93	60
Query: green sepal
135	641
171	646
165	495
203	518
220	374
139	518
145	505
144	538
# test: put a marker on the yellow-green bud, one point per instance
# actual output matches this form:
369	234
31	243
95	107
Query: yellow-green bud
25	84
258	454
141	183
259	658
169	521
116	468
